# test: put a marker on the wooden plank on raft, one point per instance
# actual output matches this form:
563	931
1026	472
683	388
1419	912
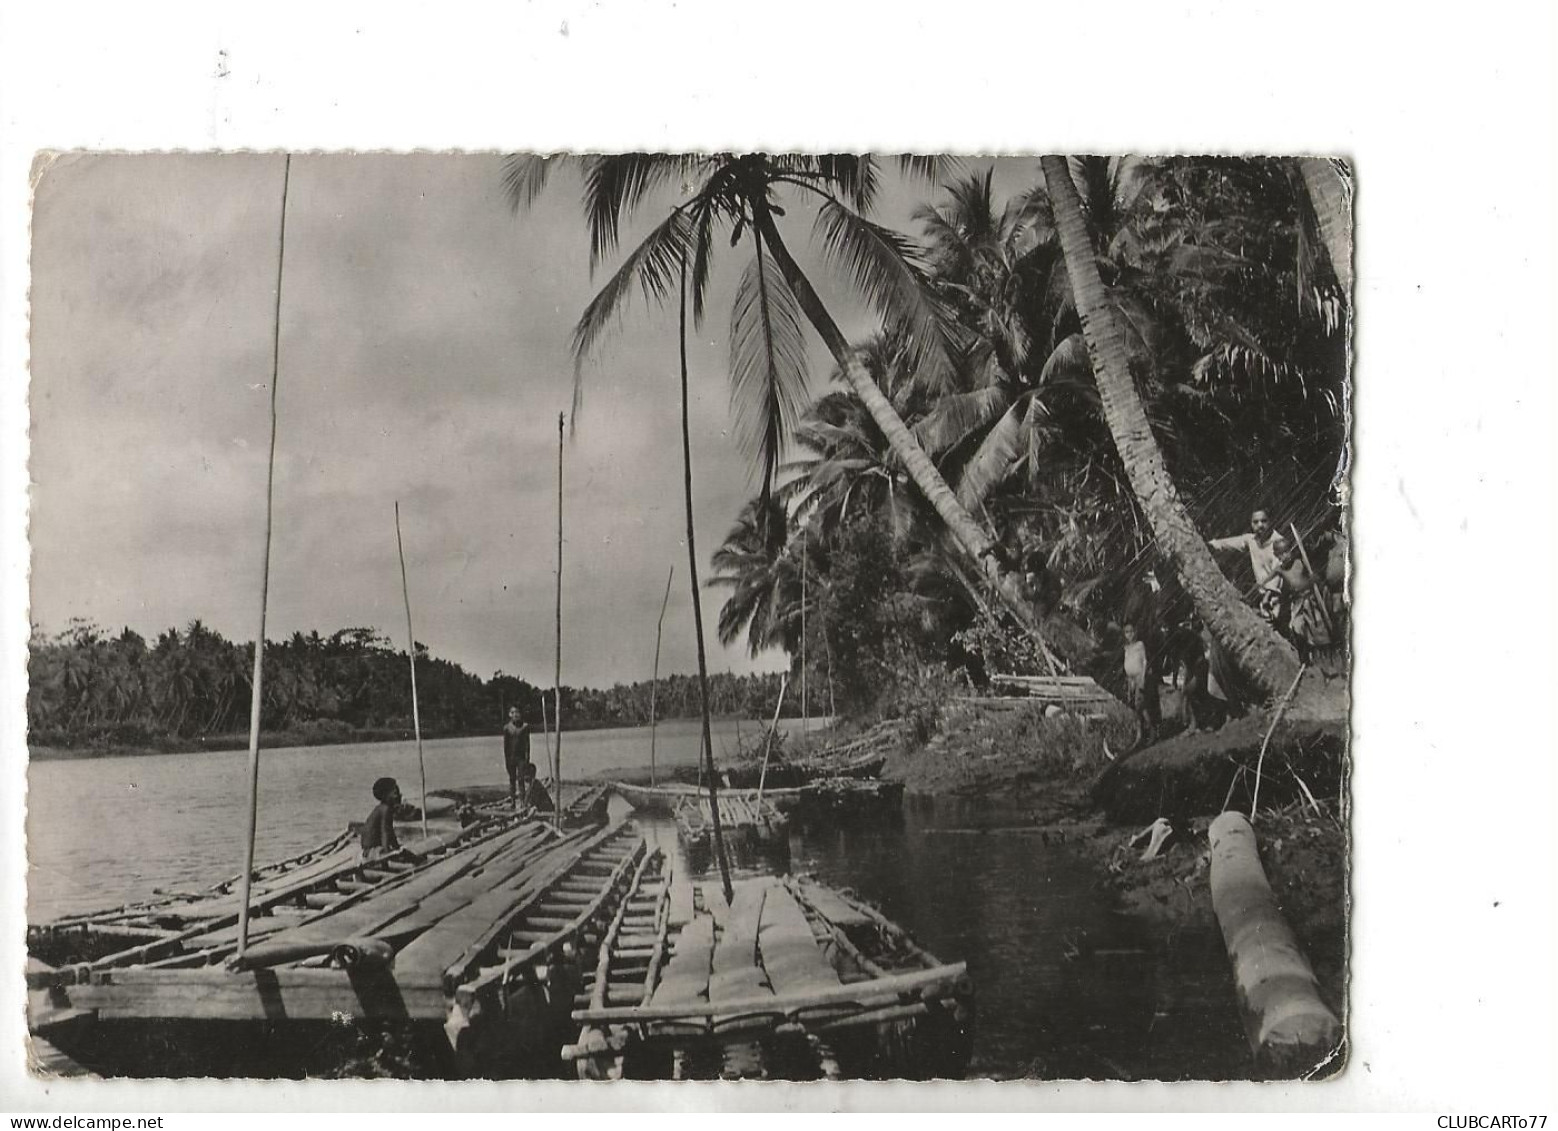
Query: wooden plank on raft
737	975
453	932
684	979
790	955
345	862
833	907
712	896
211	993
455	943
454	881
220	934
681	898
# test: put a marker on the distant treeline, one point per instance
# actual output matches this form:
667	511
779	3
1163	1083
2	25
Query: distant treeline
91	690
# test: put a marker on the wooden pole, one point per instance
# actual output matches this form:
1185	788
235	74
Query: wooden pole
411	648
259	638
654	687
557	677
762	777
1276	717
1315	579
546	731
805	712
697	606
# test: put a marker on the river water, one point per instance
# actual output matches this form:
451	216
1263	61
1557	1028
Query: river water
1065	986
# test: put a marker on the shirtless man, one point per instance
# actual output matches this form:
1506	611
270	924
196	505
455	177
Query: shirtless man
516	753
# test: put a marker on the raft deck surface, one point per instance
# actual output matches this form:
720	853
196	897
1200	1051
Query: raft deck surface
1061	690
394	938
783	958
740	816
665	799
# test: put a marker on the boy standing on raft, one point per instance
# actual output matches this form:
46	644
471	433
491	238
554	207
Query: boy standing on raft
516	754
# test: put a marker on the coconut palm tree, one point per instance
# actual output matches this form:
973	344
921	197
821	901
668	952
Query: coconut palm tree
1001	271
1257	649
847	465
741	194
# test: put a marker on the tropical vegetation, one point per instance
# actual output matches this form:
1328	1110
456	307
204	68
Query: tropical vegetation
1136	355
89	689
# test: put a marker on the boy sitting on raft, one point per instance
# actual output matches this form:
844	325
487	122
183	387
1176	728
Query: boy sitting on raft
526	786
378	831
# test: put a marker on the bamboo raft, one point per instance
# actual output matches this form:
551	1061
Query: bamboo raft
478	934
742	817
665	800
583	802
830	793
791	980
1061	690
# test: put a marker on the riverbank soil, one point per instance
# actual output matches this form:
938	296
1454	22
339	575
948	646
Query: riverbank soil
1071	780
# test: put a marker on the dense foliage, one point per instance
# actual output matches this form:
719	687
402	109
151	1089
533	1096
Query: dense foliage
1237	341
87	689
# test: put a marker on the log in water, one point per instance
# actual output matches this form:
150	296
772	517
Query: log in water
1291	1031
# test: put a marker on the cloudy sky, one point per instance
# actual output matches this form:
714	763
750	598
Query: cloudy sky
424	359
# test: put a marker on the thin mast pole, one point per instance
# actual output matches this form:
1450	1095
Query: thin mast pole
546	732
762	777
654	687
557	676
697	607
411	648
259	638
805	710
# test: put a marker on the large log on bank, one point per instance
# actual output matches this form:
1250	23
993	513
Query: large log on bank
1291	1031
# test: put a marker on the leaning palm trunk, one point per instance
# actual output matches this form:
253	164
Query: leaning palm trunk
966	532
1254	646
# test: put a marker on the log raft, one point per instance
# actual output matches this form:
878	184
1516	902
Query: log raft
477	928
1068	691
785	960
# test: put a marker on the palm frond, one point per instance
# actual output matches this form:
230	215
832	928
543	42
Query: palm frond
703	216
1030	210
1330	197
742	610
1038	434
525	175
767	363
654	266
997	455
854	175
928	168
1068	363
958	415
974	206
882	264
614	186
1141	329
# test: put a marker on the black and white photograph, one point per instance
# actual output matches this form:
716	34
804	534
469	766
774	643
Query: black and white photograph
725	616
691	558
